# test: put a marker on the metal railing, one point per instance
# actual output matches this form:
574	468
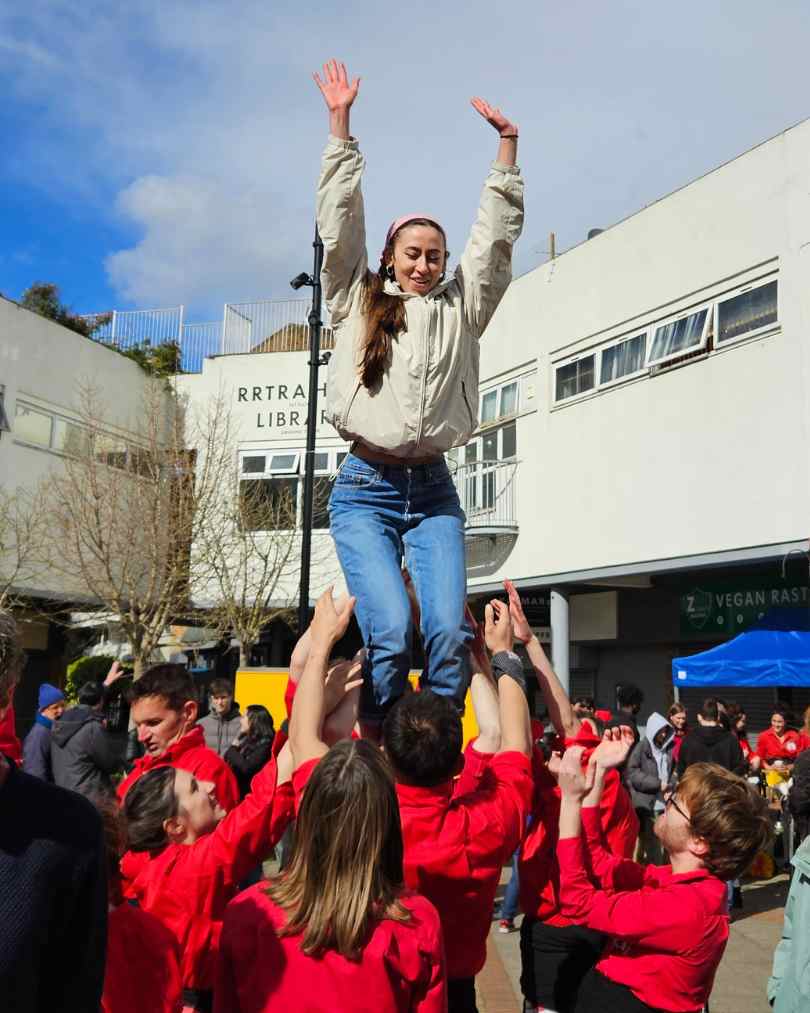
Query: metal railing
267	326
486	490
197	343
131	328
264	326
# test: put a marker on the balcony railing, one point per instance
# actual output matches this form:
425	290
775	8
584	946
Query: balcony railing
486	490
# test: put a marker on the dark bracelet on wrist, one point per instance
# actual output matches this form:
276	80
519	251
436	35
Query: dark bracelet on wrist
508	663
508	137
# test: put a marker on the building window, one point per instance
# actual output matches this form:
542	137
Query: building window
32	426
575	378
69	438
746	313
686	334
623	359
272	487
500	403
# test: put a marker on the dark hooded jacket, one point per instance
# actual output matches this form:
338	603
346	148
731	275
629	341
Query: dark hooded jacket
83	753
712	744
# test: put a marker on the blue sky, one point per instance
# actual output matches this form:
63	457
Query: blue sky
159	153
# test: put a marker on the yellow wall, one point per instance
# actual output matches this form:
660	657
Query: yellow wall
267	686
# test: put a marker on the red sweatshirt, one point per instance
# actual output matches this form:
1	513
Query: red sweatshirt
190	753
668	931
770	748
401	968
143	964
538	866
455	847
9	743
187	886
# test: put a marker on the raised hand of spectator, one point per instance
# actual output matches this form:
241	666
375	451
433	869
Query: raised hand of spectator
114	674
330	621
614	748
341	679
478	648
520	624
498	631
574	782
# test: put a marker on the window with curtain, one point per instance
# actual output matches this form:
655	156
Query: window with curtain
622	359
575	378
747	312
32	426
678	336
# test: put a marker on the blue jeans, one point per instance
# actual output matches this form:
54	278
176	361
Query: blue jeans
511	895
378	514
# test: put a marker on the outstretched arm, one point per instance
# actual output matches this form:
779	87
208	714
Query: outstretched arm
484	694
508	671
566	723
339	95
314	698
339	205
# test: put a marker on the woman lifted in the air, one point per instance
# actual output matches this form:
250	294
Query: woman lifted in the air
403	389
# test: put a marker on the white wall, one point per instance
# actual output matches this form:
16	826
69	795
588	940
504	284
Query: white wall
709	457
44	365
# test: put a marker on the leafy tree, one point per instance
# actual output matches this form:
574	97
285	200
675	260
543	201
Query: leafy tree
44	298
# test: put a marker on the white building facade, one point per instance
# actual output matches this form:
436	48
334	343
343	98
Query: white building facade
641	469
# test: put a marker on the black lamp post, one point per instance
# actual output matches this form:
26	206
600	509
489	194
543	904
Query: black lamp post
316	360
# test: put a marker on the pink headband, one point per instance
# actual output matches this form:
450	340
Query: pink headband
399	222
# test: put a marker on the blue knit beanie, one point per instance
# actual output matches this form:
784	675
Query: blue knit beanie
49	694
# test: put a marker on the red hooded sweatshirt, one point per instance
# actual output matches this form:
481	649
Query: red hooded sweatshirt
143	964
9	743
538	867
190	753
187	886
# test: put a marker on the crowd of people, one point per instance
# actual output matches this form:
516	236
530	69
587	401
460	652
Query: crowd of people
148	892
154	896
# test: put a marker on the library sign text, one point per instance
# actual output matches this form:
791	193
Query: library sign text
279	406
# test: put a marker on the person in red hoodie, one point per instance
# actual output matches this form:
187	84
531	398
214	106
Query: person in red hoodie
457	843
555	953
163	707
336	930
187	856
143	957
667	925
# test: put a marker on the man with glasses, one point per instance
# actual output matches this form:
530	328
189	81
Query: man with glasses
666	925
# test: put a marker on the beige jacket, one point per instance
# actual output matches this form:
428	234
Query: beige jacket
428	399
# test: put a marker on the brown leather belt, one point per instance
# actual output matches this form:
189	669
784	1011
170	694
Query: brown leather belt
377	457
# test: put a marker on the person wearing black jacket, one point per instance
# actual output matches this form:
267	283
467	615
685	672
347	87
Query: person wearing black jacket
711	743
83	753
53	884
253	747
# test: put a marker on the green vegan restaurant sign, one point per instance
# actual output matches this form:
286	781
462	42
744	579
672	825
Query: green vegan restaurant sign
731	609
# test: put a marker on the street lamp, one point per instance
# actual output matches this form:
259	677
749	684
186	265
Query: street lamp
316	360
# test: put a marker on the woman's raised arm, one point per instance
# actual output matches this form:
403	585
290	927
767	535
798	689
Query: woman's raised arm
341	220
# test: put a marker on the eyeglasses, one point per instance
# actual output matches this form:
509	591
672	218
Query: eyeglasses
669	799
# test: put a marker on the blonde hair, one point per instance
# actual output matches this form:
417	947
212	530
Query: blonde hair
727	814
346	869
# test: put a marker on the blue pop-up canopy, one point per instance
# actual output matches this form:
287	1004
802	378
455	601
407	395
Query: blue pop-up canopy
774	652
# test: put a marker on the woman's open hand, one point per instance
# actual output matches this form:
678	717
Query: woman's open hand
494	117
335	88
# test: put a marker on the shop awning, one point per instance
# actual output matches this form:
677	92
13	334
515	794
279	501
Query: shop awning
774	652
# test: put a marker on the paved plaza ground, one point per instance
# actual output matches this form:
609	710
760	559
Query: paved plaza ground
741	979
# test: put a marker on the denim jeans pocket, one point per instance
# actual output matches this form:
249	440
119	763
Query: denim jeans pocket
357	473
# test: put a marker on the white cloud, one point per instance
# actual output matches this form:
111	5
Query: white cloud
198	124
